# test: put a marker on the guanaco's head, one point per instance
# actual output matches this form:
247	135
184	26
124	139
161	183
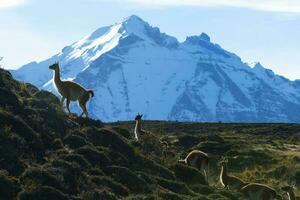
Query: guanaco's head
222	161
54	66
181	162
289	188
138	117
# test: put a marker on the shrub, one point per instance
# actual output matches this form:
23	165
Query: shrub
96	172
202	189
217	197
78	159
74	141
36	176
189	175
169	195
48	96
122	131
12	146
70	173
117	158
57	143
43	193
115	187
10	101
22	129
297	177
110	139
88	122
128	178
30	88
251	158
230	195
174	186
214	147
7	188
188	141
98	194
152	167
94	156
54	121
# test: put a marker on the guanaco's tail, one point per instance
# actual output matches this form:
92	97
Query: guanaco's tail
91	93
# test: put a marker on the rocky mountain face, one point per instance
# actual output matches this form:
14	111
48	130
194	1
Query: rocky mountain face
133	67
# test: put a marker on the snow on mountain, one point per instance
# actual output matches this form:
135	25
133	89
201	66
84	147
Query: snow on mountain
133	67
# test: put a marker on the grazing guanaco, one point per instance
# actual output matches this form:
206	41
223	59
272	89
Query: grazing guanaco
229	181
71	91
289	191
256	191
199	160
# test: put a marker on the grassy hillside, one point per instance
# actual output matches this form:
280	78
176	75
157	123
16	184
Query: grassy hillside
46	154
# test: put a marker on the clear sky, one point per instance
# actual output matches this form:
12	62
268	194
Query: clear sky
257	30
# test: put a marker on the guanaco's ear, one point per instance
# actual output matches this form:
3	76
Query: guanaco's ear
142	115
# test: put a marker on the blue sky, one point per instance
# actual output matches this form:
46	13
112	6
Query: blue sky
257	30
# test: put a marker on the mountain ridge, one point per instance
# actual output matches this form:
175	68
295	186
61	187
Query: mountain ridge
133	67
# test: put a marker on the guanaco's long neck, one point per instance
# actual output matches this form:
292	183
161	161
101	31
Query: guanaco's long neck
223	171
57	76
292	195
138	126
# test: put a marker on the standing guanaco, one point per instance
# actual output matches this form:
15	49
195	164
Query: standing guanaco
289	191
229	181
256	191
199	160
138	131
71	91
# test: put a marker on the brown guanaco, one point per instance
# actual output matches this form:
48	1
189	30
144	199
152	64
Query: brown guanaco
229	181
256	191
199	160
71	91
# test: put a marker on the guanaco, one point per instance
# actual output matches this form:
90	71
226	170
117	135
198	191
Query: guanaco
256	191
197	159
229	181
138	131
289	191
71	91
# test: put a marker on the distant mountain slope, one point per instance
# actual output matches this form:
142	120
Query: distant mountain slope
133	67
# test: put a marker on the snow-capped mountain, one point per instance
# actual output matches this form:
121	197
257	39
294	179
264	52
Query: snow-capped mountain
133	67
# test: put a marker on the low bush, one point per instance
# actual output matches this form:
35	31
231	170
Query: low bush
8	188
74	141
115	187
43	193
93	156
128	178
189	175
